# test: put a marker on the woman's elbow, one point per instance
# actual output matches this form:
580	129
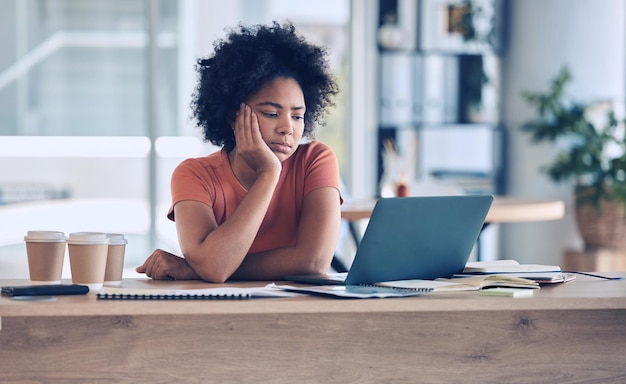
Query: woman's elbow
215	279
320	263
209	273
212	276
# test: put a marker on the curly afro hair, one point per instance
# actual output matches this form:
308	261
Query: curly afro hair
246	60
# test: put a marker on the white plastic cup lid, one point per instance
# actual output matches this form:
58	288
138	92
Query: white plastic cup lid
116	239
88	238
45	237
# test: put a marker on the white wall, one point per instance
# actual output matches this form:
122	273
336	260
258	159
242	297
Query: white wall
544	35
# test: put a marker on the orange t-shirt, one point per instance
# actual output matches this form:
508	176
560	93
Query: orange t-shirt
210	180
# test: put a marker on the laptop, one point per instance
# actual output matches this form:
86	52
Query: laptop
425	237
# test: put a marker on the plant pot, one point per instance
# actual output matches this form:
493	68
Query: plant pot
604	227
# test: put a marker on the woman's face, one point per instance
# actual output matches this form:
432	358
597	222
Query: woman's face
279	106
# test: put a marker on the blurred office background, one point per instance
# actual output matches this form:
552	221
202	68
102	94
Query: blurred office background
94	104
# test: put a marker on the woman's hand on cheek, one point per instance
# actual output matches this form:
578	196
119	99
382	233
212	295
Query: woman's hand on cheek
250	144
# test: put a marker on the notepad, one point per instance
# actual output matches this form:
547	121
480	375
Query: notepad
507	292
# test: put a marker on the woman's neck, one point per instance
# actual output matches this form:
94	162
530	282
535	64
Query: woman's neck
244	174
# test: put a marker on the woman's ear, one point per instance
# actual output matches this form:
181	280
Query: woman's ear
232	116
231	120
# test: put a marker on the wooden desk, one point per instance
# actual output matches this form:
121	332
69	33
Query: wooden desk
570	333
504	209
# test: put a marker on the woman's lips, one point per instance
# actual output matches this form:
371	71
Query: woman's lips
281	147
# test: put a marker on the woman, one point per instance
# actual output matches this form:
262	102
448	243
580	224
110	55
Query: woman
266	205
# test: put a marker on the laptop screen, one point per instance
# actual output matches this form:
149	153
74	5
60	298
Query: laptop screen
424	237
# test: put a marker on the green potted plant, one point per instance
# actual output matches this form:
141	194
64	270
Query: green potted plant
591	152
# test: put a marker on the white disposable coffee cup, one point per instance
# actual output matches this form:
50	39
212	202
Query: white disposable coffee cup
115	259
45	251
88	258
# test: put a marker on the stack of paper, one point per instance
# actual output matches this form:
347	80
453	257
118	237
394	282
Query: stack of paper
354	291
468	283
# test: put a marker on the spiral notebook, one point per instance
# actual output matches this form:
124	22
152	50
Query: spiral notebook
221	293
133	294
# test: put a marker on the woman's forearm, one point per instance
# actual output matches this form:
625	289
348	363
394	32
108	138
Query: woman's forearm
216	255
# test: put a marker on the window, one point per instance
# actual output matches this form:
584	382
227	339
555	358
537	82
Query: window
94	108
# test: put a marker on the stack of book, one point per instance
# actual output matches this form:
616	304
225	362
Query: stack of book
482	275
542	274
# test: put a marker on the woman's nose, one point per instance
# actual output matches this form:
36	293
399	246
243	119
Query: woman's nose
285	126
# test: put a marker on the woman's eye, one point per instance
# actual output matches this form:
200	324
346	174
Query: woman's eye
299	117
269	114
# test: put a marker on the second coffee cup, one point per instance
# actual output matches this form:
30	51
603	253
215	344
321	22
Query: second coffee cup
88	258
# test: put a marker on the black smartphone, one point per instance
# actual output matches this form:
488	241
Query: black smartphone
45	290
